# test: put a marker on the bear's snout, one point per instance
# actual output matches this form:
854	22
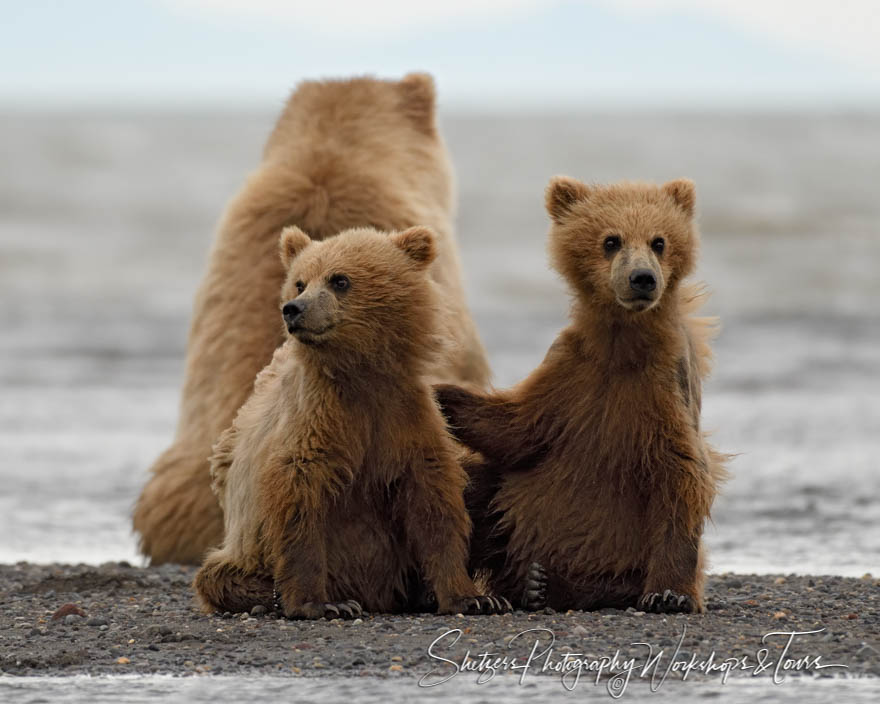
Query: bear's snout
642	281
292	312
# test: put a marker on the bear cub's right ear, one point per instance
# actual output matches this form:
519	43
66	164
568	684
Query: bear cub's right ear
293	241
418	244
562	193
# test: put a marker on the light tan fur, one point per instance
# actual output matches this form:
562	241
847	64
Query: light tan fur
343	154
338	479
596	464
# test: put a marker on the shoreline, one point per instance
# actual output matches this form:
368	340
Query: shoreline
143	621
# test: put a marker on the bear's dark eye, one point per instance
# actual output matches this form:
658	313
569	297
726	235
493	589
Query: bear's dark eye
658	244
300	287
612	243
340	282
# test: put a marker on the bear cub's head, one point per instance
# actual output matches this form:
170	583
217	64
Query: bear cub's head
623	245
361	292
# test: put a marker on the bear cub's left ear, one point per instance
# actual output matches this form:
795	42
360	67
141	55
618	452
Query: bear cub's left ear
293	242
418	244
684	193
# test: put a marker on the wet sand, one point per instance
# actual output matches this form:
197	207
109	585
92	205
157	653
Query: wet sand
143	621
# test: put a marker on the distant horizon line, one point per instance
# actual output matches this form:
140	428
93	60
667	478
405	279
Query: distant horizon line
264	105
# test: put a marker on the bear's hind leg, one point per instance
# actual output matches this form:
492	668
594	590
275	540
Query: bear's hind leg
177	515
222	586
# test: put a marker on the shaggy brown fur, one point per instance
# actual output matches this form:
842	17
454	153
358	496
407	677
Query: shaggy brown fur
344	154
596	466
338	480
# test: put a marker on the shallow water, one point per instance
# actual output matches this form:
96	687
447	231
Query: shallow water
105	222
129	690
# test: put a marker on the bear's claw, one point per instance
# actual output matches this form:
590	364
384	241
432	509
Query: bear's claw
313	610
535	594
476	605
669	602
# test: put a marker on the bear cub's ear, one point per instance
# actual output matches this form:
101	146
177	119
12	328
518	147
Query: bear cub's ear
684	193
562	193
293	241
418	244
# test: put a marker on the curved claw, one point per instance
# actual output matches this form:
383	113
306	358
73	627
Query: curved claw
330	611
479	605
669	602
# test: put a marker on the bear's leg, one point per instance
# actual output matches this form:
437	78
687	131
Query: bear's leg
222	586
436	522
492	426
675	574
301	574
177	515
488	545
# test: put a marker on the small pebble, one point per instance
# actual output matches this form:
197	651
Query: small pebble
258	610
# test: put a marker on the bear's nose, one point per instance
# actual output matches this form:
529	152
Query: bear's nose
642	281
291	310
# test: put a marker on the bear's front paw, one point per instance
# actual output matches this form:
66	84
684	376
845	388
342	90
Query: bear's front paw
669	602
475	605
313	610
535	593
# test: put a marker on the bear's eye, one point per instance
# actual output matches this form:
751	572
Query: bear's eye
612	243
340	282
658	244
300	287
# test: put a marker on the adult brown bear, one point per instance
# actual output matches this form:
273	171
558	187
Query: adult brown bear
343	154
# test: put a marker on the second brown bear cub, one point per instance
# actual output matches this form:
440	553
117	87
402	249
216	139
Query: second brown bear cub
340	486
596	466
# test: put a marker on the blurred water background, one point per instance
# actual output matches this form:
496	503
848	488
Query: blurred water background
106	218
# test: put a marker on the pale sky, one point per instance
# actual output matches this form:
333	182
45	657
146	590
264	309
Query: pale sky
485	54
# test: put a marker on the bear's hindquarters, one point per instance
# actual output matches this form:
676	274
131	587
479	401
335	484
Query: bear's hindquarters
177	515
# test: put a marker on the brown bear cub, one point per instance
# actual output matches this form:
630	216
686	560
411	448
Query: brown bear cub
340	485
348	153
595	465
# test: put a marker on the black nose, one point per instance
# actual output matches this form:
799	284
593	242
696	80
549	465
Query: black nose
642	281
291	310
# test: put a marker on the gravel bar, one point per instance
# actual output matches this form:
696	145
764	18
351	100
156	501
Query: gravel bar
119	619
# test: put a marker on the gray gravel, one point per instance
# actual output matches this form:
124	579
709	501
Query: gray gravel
119	619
